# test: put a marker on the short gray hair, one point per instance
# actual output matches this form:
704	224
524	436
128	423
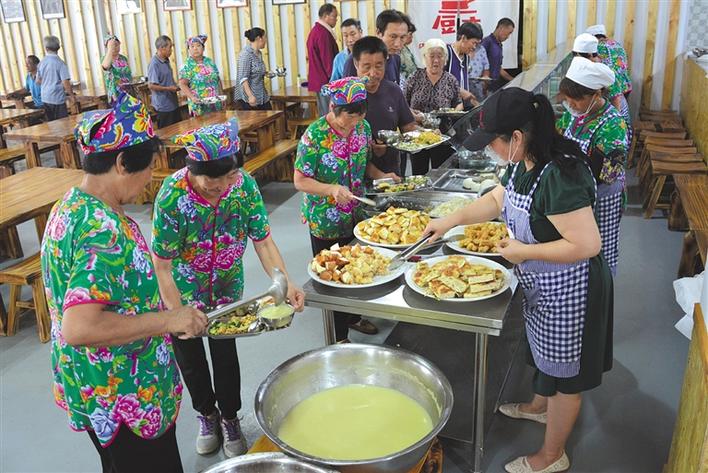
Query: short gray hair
51	43
162	41
433	43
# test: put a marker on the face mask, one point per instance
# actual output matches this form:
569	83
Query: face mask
574	112
495	156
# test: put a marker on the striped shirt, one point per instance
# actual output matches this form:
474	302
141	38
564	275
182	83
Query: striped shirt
251	68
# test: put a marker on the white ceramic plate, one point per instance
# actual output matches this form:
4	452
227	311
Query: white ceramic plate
461	231
470	259
363	238
378	280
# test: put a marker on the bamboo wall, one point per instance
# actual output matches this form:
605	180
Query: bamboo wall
652	31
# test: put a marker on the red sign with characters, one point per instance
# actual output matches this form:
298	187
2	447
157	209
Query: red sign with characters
450	10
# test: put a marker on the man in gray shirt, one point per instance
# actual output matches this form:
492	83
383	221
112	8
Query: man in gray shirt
53	78
161	83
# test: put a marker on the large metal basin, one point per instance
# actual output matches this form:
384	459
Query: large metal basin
265	463
344	364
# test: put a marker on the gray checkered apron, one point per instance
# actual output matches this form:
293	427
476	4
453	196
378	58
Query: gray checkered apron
555	294
609	207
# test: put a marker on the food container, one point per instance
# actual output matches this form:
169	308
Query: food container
475	160
265	463
281	321
345	364
389	137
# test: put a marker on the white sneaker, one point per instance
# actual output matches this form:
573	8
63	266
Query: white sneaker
234	442
208	438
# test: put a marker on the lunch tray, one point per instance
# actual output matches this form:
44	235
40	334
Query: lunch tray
427	185
422	201
445	139
247	308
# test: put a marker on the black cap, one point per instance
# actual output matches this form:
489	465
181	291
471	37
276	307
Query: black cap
502	113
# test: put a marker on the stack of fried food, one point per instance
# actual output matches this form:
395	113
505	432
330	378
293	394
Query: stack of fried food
483	237
350	265
396	226
455	277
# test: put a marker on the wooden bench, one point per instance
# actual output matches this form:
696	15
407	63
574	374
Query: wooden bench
280	149
9	156
27	272
640	136
660	170
691	206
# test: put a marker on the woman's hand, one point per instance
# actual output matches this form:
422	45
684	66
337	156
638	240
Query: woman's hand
252	101
186	321
296	297
391	175
418	115
439	227
512	250
341	194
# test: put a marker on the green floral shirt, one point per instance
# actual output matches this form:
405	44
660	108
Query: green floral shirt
610	138
614	56
327	157
205	242
116	76
92	255
204	82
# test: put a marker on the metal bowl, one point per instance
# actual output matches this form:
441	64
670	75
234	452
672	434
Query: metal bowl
339	365
264	463
389	137
279	322
476	160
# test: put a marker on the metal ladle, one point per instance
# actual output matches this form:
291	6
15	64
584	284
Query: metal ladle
278	290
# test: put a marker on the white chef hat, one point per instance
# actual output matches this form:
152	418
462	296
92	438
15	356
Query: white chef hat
593	75
585	43
596	30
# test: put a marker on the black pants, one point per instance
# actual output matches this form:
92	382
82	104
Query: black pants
241	105
168	118
191	358
129	453
341	319
434	157
54	112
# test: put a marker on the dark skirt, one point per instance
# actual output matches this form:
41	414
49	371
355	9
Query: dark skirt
596	353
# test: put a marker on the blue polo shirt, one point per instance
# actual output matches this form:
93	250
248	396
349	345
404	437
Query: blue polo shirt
160	73
53	71
35	89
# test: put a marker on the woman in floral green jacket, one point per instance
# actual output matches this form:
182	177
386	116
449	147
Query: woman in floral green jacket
114	369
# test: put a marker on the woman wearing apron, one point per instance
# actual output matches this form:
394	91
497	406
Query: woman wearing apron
594	123
548	204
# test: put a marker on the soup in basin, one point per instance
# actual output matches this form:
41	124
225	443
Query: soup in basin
355	422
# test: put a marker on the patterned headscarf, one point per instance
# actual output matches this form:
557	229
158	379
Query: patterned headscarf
108	37
211	142
128	123
200	38
346	90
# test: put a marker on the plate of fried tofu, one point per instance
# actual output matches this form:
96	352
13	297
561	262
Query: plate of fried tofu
395	228
354	266
458	278
480	239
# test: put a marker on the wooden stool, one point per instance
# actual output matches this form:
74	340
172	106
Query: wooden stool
294	124
660	170
27	272
639	137
663	153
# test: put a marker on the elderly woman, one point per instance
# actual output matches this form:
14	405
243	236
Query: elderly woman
331	163
592	122
204	215
199	78
431	89
116	70
547	202
251	94
114	369
613	55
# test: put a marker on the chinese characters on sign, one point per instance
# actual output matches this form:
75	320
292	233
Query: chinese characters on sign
450	10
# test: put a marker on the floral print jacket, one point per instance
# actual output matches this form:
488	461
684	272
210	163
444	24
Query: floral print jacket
613	55
116	76
205	242
92	255
327	157
203	80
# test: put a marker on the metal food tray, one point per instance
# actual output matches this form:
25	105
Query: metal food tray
445	139
452	180
422	201
247	308
428	184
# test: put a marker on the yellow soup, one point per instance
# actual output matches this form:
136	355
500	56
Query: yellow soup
355	422
276	311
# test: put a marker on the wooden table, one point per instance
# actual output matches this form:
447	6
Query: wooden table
31	194
19	117
298	96
90	95
59	132
21	103
263	122
693	190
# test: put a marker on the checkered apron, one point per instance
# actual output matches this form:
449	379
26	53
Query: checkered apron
555	294
609	206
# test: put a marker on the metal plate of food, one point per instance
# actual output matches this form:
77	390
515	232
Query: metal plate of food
448	112
391	187
242	321
424	201
213	99
419	140
457	180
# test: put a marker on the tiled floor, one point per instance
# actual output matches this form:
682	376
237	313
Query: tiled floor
625	425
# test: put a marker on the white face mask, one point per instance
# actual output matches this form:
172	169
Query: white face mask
574	112
500	160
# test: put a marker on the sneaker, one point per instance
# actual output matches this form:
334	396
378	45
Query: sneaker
234	443
208	438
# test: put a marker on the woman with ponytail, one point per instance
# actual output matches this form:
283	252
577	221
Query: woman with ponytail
547	203
250	93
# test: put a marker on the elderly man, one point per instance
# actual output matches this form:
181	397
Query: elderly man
321	50
392	28
54	80
351	33
495	53
31	86
162	85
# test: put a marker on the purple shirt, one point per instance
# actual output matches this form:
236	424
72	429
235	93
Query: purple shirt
393	68
321	49
458	67
494	54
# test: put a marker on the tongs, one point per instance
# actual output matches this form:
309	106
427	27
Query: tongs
277	290
401	257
